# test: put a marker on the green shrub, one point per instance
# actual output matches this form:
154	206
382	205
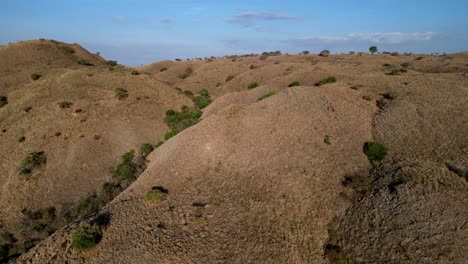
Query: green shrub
86	237
112	63
127	169
158	144
295	83
35	76
186	73
135	73
327	140
84	62
110	190
204	92
57	134
266	95
373	49
203	99
375	151
170	134
305	52
21	139
155	195
387	65
179	121
65	104
204	103
3	101
252	85
163	69
330	79
229	78
33	160
397	71
146	149
4	252
121	93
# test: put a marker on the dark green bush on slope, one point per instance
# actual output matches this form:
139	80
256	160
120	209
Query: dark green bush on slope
86	237
330	79
202	99
375	151
127	169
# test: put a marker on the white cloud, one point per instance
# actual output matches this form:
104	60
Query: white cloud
385	38
251	19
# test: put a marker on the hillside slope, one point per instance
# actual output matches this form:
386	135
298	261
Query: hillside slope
278	180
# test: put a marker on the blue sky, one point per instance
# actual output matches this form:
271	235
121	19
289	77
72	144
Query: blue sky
141	32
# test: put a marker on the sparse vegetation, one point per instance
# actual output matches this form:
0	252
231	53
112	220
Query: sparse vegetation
373	49
84	62
327	140
121	93
163	69
186	73
156	194
67	49
33	160
179	121
146	149
398	71
57	134
112	63
3	101
330	79
65	104
188	93
202	99
252	67
127	169
367	97
266	95
35	76
86	237
295	83
170	134
305	52
252	85
21	139
375	151
391	95
135	73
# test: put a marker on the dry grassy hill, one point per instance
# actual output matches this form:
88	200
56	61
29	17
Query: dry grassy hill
283	179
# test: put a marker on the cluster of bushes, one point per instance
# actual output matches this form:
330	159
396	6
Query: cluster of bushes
135	73
266	95
179	121
330	79
252	85
127	170
86	237
33	160
121	93
29	230
3	101
202	99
